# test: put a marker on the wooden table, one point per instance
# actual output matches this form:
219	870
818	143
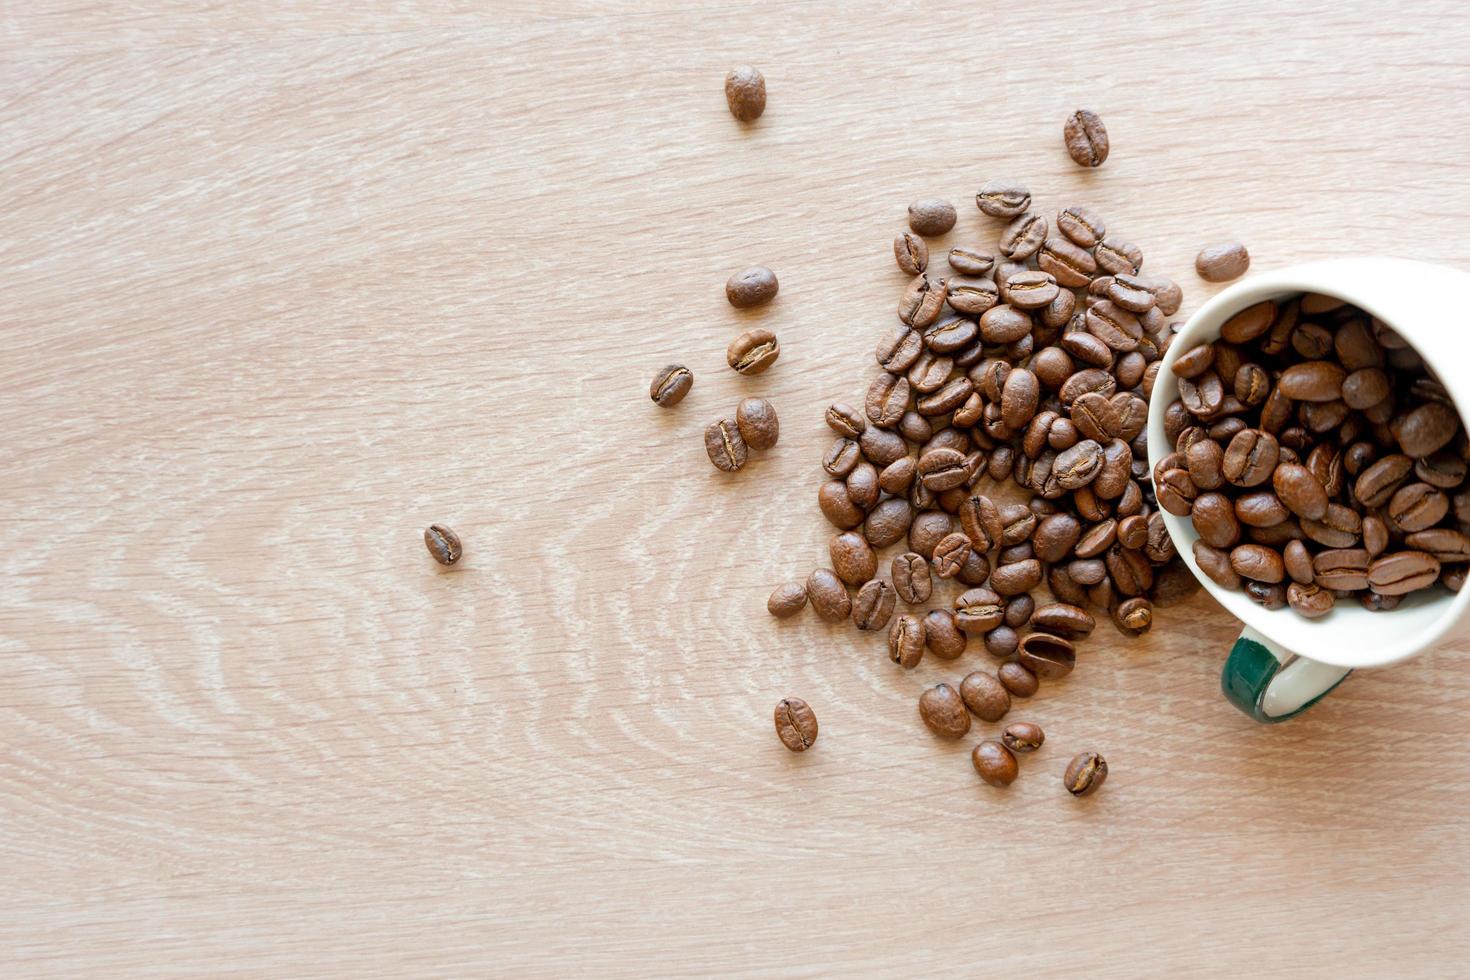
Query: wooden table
284	283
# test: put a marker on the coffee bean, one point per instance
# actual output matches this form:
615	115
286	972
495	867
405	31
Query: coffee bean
1312	381
796	724
1021	239
1216	565
1341	568
970	295
1134	616
944	712
1373	602
1031	290
443	544
1401	572
931	216
1416	506
1063	619
670	385
968	260
1048	657
1087	571
787	600
1213	517
927	530
841	457
979	610
745	93
888	522
1115	256
910	252
1222	262
873	606
1426	429
1261	509
922	301
751	287
1133	532
1375	536
1055	537
942	635
1023	736
1269	595
828	595
1299	490
1086	138
1204	395
1376	484
1445	544
887	400
1082	226
1085	773
984	695
1176	492
1258	563
753	351
1249	323
1116	327
1019	398
929	372
911	580
1205	461
1086	380
994	763
1311	601
837	505
1013	579
950	555
1443	469
853	558
906	641
982	522
1097	539
1019	609
845	420
1018	679
897	351
757	422
1251	458
1069	264
1131	293
947	399
1003	198
862	485
725	446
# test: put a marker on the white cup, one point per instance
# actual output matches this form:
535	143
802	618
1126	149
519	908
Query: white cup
1284	663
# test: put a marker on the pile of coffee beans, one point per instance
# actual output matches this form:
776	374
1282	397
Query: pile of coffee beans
1318	459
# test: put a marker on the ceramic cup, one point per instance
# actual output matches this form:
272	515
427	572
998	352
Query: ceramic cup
1282	663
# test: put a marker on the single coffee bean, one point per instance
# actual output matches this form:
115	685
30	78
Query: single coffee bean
1131	293
862	485
906	641
1085	773
845	420
1021	239
994	763
928	529
1298	562
1445	544
1443	469
1003	198
841	457
751	287
1086	138
929	372
1017	552
1300	490
1048	657
1066	589
1416	506
873	606
1055	537
753	351
944	712
1252	384
787	600
725	445
1258	563
443	544
979	610
910	252
888	522
796	724
1023	736
1222	262
1176	492
1018	679
1069	264
1088	379
1135	616
745	93
950	555
982	522
1022	576
1063	619
1426	429
1365	388
1251	458
984	694
1019	399
853	559
1087	571
1206	463
1097	539
897	351
1311	601
1213	517
1204	395
931	216
970	295
1249	323
1216	565
951	334
1312	381
1019	609
1194	362
757	422
922	301
1031	290
1401	572
942	635
1133	531
1341	568
1083	226
1269	595
911	580
1078	466
1116	327
1376	484
1373	602
1375	536
887	400
670	385
828	595
1115	255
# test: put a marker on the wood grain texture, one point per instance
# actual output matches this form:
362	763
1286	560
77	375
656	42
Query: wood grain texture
284	283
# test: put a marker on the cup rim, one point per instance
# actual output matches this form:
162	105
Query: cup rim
1205	325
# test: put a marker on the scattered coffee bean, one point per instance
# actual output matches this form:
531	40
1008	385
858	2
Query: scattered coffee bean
906	641
931	216
670	385
757	422
911	580
828	595
1003	199
751	287
745	92
1222	262
796	724
942	635
873	606
725	446
1023	736
1048	657
1086	138
994	763
984	694
944	712
911	253
753	351
787	600
1085	773
443	544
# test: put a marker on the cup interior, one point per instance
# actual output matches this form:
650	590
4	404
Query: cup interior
1349	635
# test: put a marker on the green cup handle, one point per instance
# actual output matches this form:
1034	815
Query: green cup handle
1272	684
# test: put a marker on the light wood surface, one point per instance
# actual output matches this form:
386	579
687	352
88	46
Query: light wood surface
284	283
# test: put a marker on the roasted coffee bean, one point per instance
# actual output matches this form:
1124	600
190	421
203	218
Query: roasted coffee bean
983	693
1129	571
1341	568
1019	398
725	446
1416	506
887	399
1071	265
1443	469
979	610
745	93
1131	293
1373	602
944	712
787	600
1116	255
950	555
1376	484
837	505
1097	539
1216	565
845	420
1260	509
1000	464
897	351
1204	395
911	253
1312	341
1176	492
942	469
1258	563
1086	380
1015	553
1020	239
971	295
1116	327
1206	463
1063	619
853	558
873	606
1445	544
911	580
942	635
443	544
753	351
1086	349
982	522
1451	578
1133	531
1249	323
796	724
1082	225
1023	736
1312	381
1269	595
1299	490
1003	198
1311	601
1086	138
1252	384
670	385
951	334
1018	679
751	287
862	485
828	595
1019	609
1194	362
1013	579
1055	537
1426	429
1251	458
1298	562
1078	466
1085	773
888	522
841	457
757	422
994	763
1048	657
1087	571
1375	536
922	301
1401	572
1017	522
1222	262
929	372
1003	325
931	216
947	399
1135	616
1031	290
1059	580
906	641
1213	517
927	530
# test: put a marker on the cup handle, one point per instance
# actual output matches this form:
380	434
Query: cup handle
1272	684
